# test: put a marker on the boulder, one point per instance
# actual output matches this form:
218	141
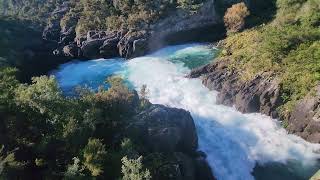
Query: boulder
126	44
140	47
109	48
172	129
91	49
170	136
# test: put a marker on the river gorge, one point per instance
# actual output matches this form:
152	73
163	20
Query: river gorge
238	146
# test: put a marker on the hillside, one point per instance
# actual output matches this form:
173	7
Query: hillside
271	68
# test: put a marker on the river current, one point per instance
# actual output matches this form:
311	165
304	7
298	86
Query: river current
238	146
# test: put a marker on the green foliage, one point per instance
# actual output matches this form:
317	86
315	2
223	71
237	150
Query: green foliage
8	84
75	169
287	47
16	37
42	95
94	155
7	162
52	128
128	148
132	169
33	10
190	4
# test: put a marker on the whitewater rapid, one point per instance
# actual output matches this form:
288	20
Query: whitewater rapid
234	142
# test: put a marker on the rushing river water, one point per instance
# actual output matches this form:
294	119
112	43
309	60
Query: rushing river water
238	146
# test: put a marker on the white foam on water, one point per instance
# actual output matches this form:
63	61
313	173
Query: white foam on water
234	142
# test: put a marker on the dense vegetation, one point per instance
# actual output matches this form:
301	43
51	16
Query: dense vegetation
287	47
97	14
103	14
32	10
47	135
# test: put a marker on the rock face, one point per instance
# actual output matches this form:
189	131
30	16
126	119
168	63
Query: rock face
171	131
53	29
258	95
305	118
179	26
262	94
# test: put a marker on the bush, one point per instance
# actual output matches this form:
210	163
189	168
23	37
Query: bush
41	96
94	156
234	18
132	169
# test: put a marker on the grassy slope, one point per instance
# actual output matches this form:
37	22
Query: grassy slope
289	46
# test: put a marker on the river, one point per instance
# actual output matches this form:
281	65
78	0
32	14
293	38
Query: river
238	146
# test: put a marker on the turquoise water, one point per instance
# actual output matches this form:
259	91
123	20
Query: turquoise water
235	143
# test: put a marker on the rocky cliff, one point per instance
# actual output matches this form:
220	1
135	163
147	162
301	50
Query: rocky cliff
178	26
261	94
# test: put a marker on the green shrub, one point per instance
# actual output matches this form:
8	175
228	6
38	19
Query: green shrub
94	155
132	169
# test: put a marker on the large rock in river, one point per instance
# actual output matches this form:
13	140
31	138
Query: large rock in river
166	129
169	134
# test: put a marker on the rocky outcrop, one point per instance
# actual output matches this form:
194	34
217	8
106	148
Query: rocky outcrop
172	129
172	132
182	26
261	94
179	26
52	31
258	95
305	117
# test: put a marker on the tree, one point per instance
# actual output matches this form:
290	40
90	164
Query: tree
234	18
132	169
94	156
8	83
42	96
